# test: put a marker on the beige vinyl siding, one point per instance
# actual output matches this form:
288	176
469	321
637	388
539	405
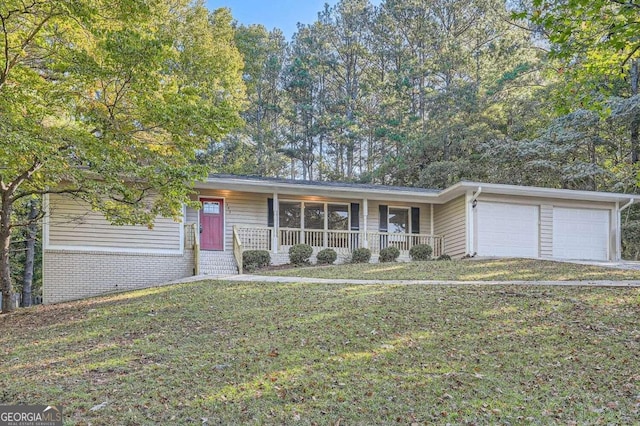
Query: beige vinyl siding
191	216
72	225
538	201
373	220
450	222
546	230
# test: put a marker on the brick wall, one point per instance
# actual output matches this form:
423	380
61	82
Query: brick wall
71	275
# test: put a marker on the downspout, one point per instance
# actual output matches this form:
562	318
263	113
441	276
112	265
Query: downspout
471	221
631	201
619	228
474	198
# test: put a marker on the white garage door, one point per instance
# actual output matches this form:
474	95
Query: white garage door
507	230
580	234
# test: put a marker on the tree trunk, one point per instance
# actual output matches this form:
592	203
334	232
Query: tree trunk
30	253
5	266
635	123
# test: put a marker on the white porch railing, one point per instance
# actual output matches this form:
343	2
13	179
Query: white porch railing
403	242
237	249
255	238
343	242
340	241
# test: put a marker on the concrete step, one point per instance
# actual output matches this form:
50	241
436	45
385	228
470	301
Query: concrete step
217	263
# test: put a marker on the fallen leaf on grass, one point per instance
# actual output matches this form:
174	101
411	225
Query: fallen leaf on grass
98	407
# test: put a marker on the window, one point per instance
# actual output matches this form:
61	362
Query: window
338	217
313	216
290	215
211	207
398	220
316	214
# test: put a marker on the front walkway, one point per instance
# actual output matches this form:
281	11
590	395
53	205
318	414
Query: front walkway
623	264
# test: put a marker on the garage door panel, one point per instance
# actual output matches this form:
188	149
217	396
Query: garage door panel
580	233
507	229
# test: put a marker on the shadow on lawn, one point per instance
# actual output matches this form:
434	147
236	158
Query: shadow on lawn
273	353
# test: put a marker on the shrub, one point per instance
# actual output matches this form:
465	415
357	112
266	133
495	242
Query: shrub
326	256
389	254
255	259
631	240
420	252
300	254
444	257
361	255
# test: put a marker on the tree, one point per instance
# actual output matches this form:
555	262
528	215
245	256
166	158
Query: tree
264	55
109	101
598	45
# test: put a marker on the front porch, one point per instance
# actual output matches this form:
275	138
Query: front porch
279	241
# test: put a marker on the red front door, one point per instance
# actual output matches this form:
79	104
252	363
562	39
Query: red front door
212	224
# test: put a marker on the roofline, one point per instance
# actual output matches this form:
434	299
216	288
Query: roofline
535	191
308	188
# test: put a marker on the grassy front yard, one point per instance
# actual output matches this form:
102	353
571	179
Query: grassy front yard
239	353
464	270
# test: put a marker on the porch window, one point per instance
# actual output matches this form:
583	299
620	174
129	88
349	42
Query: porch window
338	217
398	220
290	215
315	223
313	216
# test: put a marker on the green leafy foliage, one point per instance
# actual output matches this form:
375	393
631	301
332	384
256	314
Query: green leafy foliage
299	254
389	254
361	255
631	239
421	252
252	260
444	257
121	95
326	256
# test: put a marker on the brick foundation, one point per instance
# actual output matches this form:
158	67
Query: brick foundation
71	275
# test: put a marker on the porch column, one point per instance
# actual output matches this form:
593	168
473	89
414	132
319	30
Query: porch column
432	239
302	241
431	222
276	224
365	225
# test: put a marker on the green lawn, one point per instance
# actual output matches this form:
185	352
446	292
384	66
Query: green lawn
239	353
463	270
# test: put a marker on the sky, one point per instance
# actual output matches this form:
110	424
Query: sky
283	14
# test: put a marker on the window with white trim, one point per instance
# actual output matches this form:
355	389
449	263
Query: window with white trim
398	220
290	214
320	216
338	217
